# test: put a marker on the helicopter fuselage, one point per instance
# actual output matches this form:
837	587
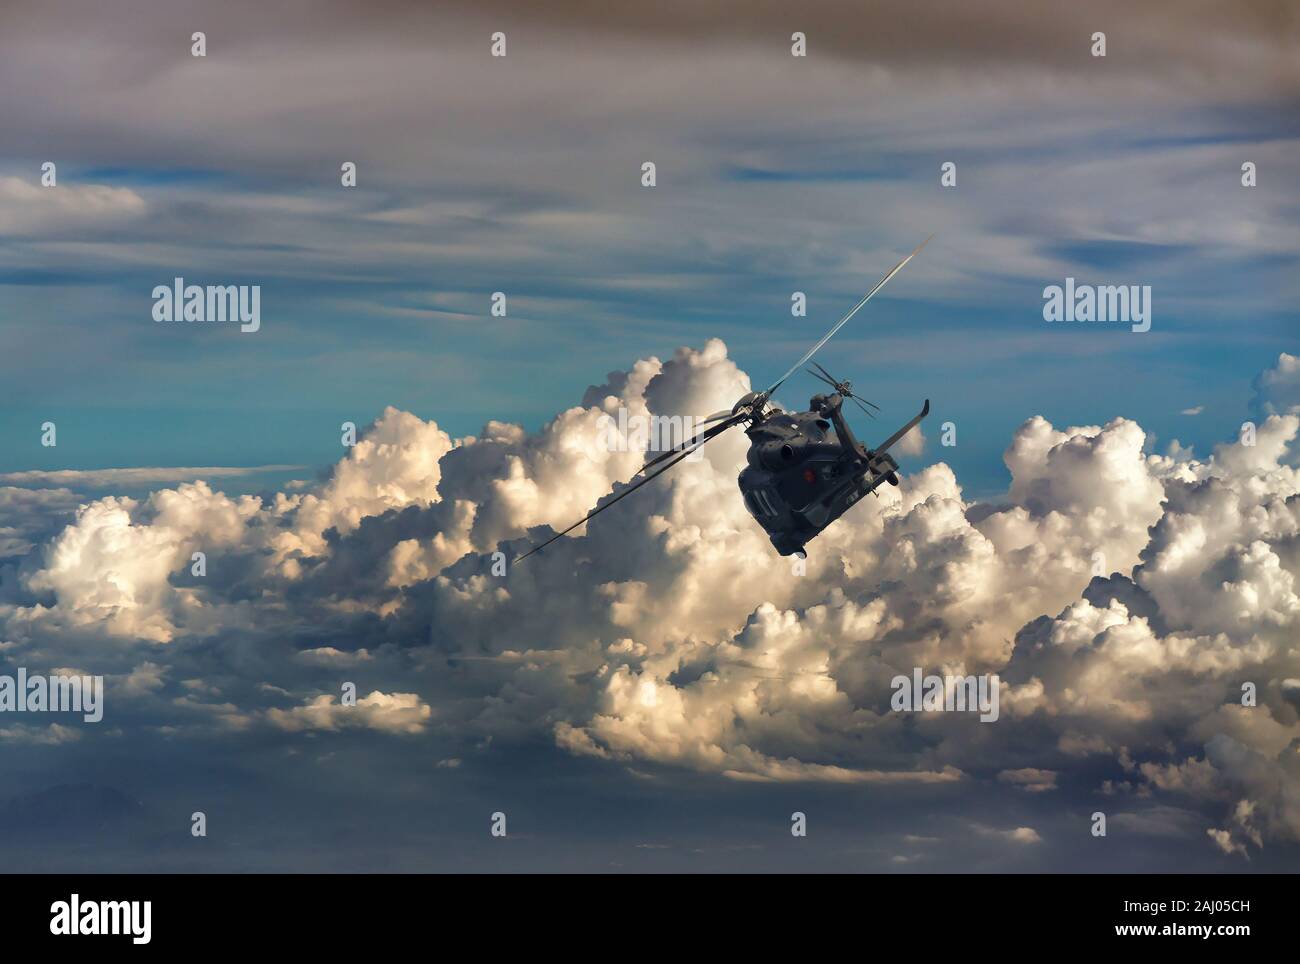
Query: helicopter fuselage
806	469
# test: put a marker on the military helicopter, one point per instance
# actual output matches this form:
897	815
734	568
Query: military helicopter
806	469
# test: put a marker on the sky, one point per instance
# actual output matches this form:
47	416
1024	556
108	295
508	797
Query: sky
608	700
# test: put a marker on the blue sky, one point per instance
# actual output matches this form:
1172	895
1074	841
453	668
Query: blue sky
379	295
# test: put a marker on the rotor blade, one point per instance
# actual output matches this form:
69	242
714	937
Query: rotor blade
869	412
829	380
836	386
925	410
822	377
715	416
840	324
829	377
865	401
599	509
702	437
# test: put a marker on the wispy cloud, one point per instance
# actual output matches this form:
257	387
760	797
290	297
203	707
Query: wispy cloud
105	478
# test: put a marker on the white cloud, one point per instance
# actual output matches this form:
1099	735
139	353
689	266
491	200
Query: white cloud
403	713
330	656
1277	389
28	206
102	478
913	443
51	735
113	565
1015	835
669	633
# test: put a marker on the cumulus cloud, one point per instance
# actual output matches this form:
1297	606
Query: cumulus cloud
1125	600
28	514
112	567
1277	389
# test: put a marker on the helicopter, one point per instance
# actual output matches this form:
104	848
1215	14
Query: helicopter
804	469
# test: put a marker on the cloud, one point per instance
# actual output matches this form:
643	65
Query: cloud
399	713
329	656
113	566
1015	835
31	515
1122	598
52	735
1224	841
104	478
145	678
1029	779
1277	389
913	443
27	206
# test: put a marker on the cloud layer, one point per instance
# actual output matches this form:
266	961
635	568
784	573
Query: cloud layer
1125	598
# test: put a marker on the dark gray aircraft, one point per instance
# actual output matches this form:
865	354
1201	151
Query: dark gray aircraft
806	469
